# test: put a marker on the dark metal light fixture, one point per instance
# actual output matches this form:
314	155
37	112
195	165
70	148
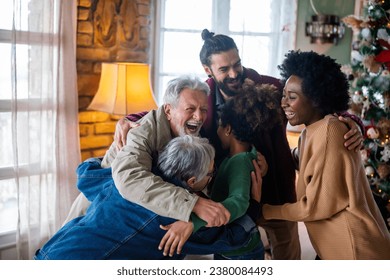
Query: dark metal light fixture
324	28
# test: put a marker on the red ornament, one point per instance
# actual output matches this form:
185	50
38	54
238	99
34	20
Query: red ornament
372	132
384	58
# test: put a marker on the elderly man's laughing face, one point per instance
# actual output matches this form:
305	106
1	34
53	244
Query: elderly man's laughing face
189	114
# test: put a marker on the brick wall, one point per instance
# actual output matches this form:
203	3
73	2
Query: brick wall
107	31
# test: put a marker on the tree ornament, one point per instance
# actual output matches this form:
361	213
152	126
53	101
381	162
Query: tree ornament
356	56
371	63
372	145
366	107
358	98
346	69
366	34
385	154
365	154
369	170
365	89
382	34
373	181
373	133
384	58
384	127
353	22
383	171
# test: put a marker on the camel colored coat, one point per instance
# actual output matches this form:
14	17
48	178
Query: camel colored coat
334	198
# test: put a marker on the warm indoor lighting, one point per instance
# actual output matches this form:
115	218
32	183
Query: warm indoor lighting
124	88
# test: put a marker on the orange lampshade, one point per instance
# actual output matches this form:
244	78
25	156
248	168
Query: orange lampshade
124	88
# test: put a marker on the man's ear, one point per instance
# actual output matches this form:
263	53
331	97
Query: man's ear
191	181
207	70
167	111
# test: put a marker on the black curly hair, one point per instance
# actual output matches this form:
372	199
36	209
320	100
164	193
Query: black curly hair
214	44
323	82
255	110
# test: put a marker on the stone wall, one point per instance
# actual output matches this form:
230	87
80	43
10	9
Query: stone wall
107	31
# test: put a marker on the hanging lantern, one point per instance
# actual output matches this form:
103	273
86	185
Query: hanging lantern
325	29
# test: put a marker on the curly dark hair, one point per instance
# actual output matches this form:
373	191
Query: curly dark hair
255	110
214	44
323	82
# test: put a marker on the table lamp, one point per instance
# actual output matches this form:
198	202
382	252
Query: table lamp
124	88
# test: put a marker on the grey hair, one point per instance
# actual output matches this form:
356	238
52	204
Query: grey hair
175	87
185	157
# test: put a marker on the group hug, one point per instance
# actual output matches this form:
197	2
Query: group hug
201	173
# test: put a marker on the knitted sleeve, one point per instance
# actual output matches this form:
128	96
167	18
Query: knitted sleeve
356	119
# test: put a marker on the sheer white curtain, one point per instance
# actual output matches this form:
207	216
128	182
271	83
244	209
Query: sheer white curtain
45	143
284	22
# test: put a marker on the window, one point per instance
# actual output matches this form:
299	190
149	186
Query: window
38	121
20	130
263	30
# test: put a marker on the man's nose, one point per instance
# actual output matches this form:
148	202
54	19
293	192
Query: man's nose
233	73
198	116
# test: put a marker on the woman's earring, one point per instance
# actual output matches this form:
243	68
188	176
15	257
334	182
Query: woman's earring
227	133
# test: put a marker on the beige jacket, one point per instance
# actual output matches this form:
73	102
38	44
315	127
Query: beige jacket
131	169
334	198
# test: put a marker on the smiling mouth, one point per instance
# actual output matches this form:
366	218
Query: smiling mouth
289	115
193	127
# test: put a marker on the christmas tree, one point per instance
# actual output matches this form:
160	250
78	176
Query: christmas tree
369	75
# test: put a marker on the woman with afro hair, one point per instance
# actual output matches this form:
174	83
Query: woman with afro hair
334	199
